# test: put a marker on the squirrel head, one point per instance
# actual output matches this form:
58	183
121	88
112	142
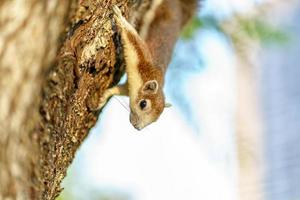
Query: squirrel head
148	105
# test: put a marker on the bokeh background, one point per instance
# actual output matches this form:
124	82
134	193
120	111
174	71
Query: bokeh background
233	132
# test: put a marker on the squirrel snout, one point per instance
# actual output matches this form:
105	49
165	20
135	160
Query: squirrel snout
134	120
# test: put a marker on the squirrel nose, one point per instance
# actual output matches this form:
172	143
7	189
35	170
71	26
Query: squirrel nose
134	120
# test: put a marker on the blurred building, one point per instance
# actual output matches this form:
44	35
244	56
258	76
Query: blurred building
280	81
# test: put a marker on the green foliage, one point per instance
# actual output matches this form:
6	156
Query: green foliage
263	31
206	22
189	31
252	28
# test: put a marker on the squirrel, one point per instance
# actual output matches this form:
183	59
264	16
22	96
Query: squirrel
147	52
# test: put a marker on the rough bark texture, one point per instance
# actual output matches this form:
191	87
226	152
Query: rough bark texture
50	77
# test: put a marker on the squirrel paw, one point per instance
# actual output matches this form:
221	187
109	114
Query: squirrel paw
102	102
98	105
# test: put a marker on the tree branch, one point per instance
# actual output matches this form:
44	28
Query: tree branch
45	102
86	66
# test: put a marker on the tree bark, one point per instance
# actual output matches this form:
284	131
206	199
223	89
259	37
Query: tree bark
50	78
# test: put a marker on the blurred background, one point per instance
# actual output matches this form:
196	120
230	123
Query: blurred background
233	132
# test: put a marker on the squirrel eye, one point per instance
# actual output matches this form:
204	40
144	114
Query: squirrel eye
143	104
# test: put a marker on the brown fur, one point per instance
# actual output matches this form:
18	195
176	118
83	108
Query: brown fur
152	56
146	68
148	72
155	55
188	9
165	29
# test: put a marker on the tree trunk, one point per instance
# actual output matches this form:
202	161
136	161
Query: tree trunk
249	133
45	93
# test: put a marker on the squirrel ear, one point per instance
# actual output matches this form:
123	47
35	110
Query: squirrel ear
168	105
150	87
